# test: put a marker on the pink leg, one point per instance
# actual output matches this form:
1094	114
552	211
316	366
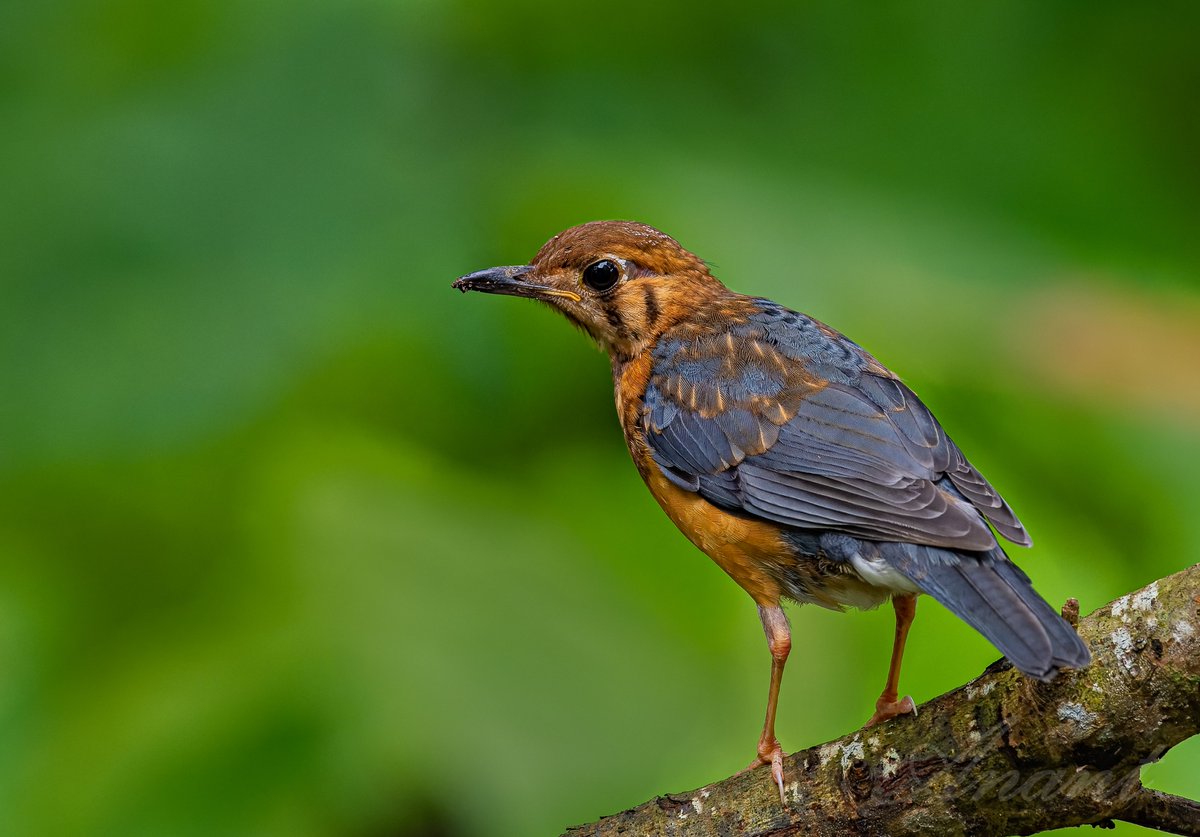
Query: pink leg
888	706
779	640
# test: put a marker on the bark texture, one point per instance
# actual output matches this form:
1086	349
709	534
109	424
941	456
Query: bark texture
1001	755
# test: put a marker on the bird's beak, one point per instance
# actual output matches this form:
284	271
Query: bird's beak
509	281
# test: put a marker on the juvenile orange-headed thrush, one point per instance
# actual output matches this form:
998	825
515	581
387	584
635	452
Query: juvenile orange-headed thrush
789	455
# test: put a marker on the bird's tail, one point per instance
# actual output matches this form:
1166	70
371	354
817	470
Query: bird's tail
993	595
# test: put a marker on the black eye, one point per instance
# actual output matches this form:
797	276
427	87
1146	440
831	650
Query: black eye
601	275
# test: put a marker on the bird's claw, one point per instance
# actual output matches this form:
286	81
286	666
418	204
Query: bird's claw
769	752
886	709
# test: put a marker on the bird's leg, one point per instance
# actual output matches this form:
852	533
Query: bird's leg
779	640
888	706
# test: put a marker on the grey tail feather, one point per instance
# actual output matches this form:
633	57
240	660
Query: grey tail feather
992	595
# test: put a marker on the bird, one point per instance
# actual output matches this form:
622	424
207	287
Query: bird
801	465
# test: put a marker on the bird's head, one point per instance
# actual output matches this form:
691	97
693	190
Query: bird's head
621	282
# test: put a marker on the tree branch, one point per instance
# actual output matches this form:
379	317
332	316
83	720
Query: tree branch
1162	811
1001	755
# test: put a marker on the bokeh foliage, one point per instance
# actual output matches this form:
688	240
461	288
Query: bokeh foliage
296	541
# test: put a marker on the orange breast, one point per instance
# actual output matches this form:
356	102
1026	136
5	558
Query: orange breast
750	551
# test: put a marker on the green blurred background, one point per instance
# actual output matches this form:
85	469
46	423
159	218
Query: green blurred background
294	540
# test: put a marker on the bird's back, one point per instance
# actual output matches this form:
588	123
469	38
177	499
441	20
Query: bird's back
765	410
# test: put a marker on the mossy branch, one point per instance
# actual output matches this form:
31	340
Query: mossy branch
1001	755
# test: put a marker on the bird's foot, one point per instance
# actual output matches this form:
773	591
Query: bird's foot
769	752
886	709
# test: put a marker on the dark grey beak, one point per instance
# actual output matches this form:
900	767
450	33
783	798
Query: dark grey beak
507	280
498	280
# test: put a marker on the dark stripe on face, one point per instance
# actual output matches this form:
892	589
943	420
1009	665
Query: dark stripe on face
614	318
652	311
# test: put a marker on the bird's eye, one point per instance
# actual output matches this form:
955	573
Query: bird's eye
602	275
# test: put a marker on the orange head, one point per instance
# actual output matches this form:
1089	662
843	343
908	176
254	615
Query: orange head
623	283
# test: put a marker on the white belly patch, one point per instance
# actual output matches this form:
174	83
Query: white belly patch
880	573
